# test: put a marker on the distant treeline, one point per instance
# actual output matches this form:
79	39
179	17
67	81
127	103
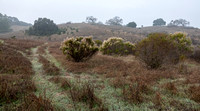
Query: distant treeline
14	20
7	21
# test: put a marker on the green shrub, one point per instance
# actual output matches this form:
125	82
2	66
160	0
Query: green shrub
183	43
98	42
156	49
160	48
79	49
196	54
117	46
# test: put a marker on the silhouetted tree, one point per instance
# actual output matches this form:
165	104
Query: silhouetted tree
159	22
179	22
115	21
132	24
91	19
43	26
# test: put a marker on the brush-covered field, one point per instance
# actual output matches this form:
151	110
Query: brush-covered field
36	76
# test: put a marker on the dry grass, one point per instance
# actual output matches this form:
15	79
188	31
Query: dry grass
85	93
80	92
15	74
133	93
63	81
136	82
171	87
193	77
41	49
23	45
196	54
13	62
12	87
194	92
114	67
157	99
129	77
34	103
48	67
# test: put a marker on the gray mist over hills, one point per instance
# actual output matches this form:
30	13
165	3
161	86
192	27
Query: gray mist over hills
143	12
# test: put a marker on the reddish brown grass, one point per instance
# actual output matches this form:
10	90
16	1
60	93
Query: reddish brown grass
49	68
171	87
34	103
65	83
134	92
85	93
12	87
113	67
182	107
194	92
13	62
41	49
22	44
193	77
157	100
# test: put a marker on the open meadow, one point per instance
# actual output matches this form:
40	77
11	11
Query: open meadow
35	75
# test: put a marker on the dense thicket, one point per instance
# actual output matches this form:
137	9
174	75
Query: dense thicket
161	48
43	26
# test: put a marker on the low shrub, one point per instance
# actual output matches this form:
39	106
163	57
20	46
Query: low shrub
183	43
34	103
171	87
155	49
65	83
12	87
196	55
98	42
85	93
117	46
161	48
79	49
194	92
134	92
49	68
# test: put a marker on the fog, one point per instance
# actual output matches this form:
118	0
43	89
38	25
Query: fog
143	12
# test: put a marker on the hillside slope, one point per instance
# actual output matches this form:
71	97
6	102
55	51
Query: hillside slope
103	32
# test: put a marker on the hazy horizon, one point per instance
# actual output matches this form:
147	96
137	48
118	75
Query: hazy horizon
143	12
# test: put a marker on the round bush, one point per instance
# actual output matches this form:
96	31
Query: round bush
183	43
98	42
155	49
160	48
79	49
117	46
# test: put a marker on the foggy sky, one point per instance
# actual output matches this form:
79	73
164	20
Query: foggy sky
143	12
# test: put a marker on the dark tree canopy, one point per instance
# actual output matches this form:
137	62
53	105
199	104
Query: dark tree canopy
91	19
4	25
43	26
179	22
132	24
115	21
159	22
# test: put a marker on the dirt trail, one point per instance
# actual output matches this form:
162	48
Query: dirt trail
59	99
